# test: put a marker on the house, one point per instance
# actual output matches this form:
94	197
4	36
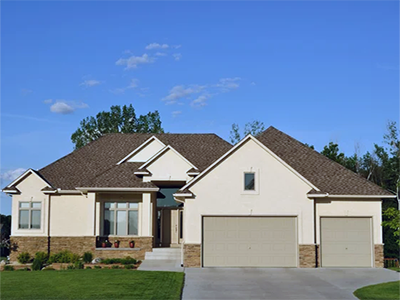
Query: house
268	201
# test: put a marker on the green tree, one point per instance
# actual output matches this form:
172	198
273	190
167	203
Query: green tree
254	128
118	119
392	221
332	151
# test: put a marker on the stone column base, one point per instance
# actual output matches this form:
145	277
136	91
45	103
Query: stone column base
307	256
191	255
379	256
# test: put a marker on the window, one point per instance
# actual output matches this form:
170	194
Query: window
249	182
29	215
120	218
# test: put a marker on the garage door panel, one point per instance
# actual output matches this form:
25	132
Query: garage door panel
249	242
346	242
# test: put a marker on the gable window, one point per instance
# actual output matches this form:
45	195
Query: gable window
249	183
29	215
121	218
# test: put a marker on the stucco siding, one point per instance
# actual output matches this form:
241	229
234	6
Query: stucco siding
30	189
147	152
352	208
279	192
72	215
170	166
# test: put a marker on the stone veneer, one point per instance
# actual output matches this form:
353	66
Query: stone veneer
379	256
191	255
142	245
27	244
75	244
307	256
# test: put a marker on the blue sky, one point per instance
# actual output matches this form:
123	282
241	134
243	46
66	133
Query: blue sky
319	71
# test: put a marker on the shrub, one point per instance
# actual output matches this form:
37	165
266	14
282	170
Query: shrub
87	257
8	268
129	267
88	267
24	269
115	267
97	267
128	260
125	261
78	265
24	257
42	256
48	269
70	267
37	265
64	257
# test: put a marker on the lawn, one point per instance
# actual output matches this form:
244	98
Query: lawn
395	269
91	284
384	291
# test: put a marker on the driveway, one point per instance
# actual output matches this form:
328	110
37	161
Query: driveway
250	283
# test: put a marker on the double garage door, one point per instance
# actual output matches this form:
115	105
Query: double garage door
249	242
272	242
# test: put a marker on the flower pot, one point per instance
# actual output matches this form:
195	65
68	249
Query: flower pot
132	244
116	245
103	245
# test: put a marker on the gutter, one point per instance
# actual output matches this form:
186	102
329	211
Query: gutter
327	195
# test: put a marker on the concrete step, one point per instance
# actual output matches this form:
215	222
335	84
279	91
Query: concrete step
164	254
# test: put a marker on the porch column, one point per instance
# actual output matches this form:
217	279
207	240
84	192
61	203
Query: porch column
146	215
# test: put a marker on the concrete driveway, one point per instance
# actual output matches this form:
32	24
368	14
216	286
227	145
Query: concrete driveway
250	283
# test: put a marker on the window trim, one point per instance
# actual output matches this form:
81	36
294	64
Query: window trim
254	181
29	210
256	173
115	210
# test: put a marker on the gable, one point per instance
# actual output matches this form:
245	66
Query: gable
145	151
170	165
31	184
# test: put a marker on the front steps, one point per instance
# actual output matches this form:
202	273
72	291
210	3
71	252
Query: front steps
164	254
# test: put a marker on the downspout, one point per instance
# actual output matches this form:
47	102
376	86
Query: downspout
315	233
48	224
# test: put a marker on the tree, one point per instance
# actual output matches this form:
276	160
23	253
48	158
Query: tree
5	227
392	221
332	151
254	128
118	119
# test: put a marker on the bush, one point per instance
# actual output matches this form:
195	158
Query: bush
64	257
70	267
24	257
24	269
97	267
87	257
88	267
48	269
115	267
129	267
128	261
8	268
42	256
37	265
125	261
78	265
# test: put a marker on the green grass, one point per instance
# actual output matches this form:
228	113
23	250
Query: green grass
383	291
395	269
91	284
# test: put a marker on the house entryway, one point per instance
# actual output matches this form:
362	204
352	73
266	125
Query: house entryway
169	227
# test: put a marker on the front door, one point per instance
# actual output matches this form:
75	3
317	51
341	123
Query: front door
169	226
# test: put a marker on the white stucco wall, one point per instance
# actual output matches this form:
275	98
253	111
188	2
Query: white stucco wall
221	192
352	208
169	167
30	189
147	152
72	215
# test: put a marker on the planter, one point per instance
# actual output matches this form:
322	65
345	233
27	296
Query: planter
116	245
132	244
104	245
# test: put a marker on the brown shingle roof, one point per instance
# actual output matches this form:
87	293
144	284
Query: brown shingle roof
327	175
96	163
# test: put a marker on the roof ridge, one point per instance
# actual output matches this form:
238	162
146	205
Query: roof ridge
324	157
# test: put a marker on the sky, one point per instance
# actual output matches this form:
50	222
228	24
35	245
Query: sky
319	71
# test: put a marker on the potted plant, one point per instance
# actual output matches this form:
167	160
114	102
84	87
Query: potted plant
116	244
132	244
104	244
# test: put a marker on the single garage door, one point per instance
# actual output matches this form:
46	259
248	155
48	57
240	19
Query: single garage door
346	242
249	242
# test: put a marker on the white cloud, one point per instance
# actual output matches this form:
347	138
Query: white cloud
176	113
90	83
48	101
227	84
177	56
176	46
12	174
117	91
156	46
133	84
200	101
133	61
161	54
180	91
66	107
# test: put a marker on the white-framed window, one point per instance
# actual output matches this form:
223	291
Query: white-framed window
249	181
29	215
121	218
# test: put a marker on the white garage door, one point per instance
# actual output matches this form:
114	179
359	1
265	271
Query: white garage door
249	242
346	242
